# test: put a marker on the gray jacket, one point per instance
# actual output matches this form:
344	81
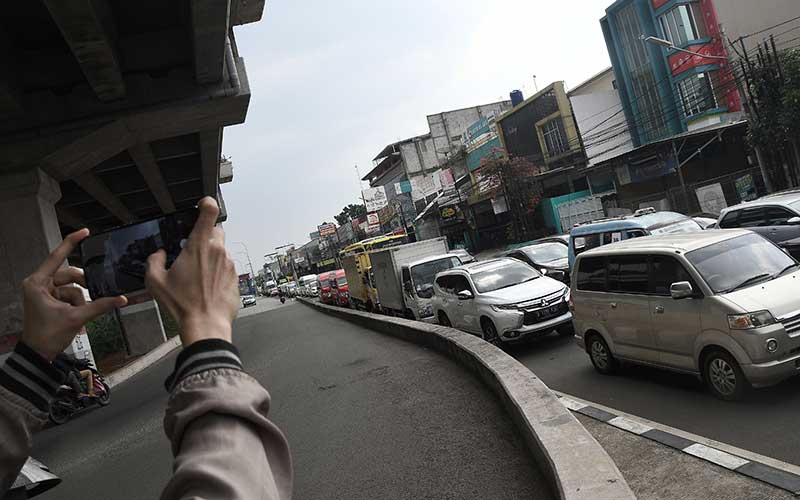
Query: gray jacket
216	419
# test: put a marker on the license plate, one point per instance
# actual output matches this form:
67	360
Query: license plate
545	313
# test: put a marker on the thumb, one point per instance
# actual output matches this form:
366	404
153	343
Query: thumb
156	270
99	307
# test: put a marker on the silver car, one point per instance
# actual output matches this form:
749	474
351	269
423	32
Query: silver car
776	216
720	304
501	300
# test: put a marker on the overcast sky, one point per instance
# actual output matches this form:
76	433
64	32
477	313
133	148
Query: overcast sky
333	82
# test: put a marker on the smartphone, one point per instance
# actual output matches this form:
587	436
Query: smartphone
115	262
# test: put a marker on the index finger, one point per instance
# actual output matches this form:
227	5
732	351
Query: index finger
61	252
208	211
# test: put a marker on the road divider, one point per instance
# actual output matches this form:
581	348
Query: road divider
577	467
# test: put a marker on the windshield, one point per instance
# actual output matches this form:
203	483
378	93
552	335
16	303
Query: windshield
721	267
341	281
503	275
683	226
546	252
324	283
422	274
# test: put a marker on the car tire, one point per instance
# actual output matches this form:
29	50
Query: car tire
724	377
489	332
444	320
409	315
601	356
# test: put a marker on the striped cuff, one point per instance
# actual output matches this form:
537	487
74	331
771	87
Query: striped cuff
27	374
203	355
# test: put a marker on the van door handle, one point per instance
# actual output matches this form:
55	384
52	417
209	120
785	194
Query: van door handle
613	305
660	309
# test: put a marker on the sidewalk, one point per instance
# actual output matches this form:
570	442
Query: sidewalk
659	472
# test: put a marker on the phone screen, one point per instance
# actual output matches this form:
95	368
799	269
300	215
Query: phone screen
115	262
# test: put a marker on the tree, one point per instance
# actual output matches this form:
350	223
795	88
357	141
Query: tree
349	213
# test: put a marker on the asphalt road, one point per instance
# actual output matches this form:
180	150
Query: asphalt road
765	423
367	416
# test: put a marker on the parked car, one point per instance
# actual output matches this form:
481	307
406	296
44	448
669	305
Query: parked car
327	294
501	300
776	216
463	255
248	300
686	303
340	288
549	257
643	222
705	222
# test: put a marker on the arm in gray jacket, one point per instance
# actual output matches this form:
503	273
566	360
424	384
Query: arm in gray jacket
224	445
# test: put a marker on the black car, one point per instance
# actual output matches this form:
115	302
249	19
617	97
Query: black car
549	257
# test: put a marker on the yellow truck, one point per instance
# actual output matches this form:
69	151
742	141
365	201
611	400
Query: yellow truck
358	269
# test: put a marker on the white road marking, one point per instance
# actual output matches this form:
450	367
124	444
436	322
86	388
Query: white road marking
629	425
716	456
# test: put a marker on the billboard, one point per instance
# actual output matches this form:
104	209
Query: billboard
375	198
326	230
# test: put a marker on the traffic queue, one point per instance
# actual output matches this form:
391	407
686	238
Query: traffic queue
691	295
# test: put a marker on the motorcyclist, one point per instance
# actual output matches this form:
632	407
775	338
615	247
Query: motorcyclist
67	366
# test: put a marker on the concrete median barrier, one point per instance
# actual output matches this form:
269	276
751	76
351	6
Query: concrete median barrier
577	467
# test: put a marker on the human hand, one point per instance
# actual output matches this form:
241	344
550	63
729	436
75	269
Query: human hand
201	288
55	309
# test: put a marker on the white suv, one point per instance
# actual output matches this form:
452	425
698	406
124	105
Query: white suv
501	300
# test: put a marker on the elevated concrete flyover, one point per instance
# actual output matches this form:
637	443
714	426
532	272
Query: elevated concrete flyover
111	112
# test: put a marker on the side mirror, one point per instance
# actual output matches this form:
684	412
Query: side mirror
793	220
681	290
556	274
464	295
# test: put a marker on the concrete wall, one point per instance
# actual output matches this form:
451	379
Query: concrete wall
448	127
595	105
741	17
419	154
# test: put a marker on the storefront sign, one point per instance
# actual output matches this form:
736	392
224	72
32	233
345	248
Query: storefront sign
326	230
450	213
375	198
372	219
746	188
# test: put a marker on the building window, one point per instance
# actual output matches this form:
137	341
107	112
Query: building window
697	94
643	96
553	138
683	24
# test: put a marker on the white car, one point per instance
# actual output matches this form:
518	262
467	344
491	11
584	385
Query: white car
462	254
248	300
501	300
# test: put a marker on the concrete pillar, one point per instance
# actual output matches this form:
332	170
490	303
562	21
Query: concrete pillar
142	327
28	233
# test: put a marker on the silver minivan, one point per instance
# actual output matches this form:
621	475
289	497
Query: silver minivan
719	304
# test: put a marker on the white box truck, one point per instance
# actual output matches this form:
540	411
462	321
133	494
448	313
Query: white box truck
404	277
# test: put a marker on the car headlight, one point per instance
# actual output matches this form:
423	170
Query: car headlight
543	270
567	293
426	311
504	307
751	320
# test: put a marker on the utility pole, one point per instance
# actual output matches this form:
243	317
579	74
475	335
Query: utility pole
249	262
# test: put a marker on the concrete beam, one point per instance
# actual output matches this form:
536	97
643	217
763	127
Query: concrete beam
100	192
88	151
88	28
210	21
210	153
142	155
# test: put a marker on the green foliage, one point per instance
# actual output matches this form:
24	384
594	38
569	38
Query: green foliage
349	213
105	335
776	101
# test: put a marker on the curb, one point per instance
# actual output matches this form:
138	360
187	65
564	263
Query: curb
574	463
751	468
144	362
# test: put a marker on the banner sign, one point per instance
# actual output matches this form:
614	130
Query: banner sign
326	230
372	219
746	188
402	187
375	198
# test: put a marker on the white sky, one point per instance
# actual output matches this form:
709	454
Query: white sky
333	82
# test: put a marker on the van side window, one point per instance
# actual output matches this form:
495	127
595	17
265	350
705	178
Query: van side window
664	272
778	216
592	274
751	217
730	220
583	243
636	233
628	274
614	237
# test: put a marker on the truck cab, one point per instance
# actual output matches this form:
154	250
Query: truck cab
418	280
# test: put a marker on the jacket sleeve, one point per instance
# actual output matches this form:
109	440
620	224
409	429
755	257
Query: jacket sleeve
216	419
28	384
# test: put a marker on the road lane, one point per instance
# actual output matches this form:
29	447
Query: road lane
367	416
764	423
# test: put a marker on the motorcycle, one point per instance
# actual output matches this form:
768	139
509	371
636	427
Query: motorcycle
283	299
68	402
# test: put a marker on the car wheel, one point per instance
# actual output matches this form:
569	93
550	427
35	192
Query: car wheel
601	356
490	332
443	319
724	377
59	414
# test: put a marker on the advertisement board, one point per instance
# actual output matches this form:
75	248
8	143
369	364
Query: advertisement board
375	198
326	230
372	219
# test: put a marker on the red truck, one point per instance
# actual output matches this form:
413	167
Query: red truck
327	294
339	284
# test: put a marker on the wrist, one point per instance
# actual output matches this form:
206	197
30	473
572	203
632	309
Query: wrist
196	328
